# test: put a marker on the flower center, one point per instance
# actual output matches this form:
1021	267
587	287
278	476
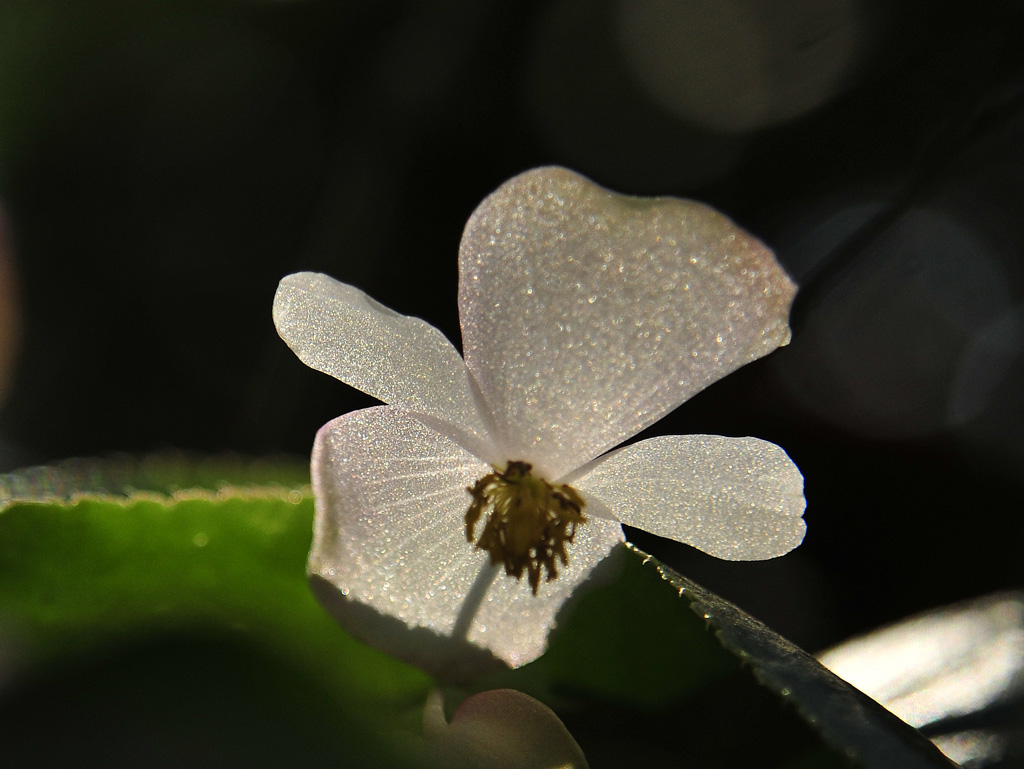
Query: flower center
529	521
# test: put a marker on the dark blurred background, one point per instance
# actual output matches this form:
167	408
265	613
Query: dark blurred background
163	164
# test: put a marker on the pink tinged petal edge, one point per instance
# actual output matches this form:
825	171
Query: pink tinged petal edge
499	728
740	499
587	315
404	361
390	558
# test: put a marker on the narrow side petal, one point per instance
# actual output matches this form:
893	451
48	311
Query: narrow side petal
390	558
404	361
587	315
735	498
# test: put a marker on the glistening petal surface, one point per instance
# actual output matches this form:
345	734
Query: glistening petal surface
404	361
587	315
734	498
391	556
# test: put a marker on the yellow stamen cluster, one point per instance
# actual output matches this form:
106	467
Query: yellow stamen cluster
529	521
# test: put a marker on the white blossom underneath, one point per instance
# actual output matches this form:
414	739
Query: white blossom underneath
586	317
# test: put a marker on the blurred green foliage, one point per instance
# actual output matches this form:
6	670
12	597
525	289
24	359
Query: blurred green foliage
140	584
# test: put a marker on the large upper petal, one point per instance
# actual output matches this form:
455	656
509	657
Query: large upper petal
735	498
390	558
587	315
404	361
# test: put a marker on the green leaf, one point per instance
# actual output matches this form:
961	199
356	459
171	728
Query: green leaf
651	667
84	573
647	668
629	640
164	474
848	719
81	575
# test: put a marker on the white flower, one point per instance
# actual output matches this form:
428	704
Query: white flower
586	317
499	729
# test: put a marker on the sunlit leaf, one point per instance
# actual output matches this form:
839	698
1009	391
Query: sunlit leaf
955	673
646	668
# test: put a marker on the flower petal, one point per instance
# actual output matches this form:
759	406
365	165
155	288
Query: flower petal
390	557
735	498
499	729
587	315
404	361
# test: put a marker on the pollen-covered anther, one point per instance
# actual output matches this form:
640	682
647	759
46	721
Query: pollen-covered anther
529	521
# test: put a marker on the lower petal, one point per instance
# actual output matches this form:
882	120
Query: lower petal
499	729
735	498
390	558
